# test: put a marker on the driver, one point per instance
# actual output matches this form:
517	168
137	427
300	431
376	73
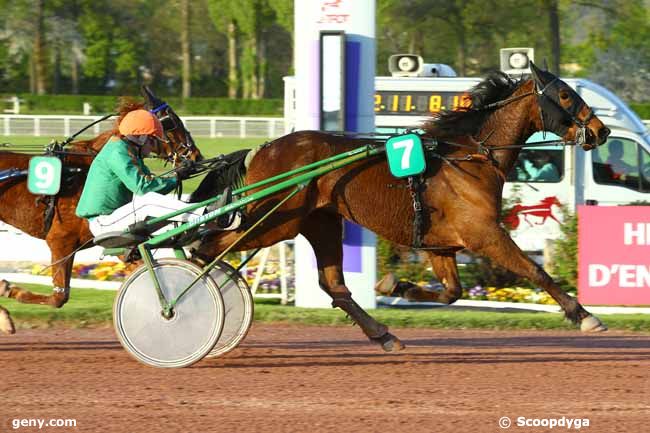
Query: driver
120	189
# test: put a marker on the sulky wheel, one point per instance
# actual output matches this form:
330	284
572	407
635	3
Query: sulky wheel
238	304
194	327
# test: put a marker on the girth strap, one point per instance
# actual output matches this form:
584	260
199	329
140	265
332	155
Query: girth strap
48	214
415	189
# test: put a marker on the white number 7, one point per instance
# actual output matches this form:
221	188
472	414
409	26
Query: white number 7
407	145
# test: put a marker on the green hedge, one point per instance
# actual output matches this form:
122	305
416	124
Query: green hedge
101	104
642	110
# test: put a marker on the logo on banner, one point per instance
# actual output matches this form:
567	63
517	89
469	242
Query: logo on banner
536	214
614	255
332	13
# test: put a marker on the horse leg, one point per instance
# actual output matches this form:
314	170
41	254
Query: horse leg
444	266
62	271
324	231
6	324
497	245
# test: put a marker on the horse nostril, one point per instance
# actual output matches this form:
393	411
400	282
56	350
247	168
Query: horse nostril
604	133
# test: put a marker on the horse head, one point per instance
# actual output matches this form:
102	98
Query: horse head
180	145
563	112
550	201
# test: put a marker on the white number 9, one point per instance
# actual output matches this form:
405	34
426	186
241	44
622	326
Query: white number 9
44	173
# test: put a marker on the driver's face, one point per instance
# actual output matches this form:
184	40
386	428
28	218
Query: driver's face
148	146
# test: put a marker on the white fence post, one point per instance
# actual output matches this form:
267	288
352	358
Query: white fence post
242	128
66	126
37	126
213	127
7	129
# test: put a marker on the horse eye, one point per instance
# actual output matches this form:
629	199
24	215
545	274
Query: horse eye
564	95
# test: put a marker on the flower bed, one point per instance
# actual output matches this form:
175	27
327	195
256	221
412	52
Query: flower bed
505	294
103	271
111	271
116	271
510	294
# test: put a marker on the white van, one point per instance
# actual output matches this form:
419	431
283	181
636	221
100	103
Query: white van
618	172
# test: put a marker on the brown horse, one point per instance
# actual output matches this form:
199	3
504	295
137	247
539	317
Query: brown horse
461	198
67	232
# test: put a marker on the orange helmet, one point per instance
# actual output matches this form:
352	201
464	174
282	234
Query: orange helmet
141	122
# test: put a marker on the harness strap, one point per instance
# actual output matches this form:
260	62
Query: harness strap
159	108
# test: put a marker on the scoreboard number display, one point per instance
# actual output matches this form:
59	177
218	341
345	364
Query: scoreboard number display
44	175
405	155
419	103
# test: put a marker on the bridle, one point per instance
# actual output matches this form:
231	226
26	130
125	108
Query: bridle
170	123
544	99
581	130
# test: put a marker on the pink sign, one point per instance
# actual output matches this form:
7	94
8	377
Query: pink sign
614	255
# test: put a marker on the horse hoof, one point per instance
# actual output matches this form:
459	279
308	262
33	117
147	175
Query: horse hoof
592	324
389	343
5	288
6	324
386	286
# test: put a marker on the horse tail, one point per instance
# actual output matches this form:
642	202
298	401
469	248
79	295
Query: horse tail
230	171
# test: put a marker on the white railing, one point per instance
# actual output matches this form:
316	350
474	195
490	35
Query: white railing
205	126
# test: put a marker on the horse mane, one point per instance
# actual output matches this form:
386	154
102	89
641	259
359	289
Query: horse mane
124	106
495	87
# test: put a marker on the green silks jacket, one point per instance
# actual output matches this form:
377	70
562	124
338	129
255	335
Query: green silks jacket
113	178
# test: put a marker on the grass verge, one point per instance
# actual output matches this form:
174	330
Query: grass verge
88	307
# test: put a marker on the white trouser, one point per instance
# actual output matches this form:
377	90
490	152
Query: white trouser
151	204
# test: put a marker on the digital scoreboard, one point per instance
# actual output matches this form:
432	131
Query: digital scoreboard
418	103
402	102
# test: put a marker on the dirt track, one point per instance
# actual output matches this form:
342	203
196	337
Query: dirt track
307	379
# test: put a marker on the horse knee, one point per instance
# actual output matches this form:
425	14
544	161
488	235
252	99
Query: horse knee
5	288
6	324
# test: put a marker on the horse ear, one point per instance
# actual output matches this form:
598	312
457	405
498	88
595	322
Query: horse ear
545	64
150	97
536	73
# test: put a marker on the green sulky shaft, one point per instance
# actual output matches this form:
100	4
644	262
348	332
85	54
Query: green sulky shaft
318	169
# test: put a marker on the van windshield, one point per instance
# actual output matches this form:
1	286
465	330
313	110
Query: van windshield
622	162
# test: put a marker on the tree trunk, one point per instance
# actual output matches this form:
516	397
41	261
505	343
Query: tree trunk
462	52
186	49
253	68
32	75
262	65
74	71
554	28
232	60
411	49
39	48
56	79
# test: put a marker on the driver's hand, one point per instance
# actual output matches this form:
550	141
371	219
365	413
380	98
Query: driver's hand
185	170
